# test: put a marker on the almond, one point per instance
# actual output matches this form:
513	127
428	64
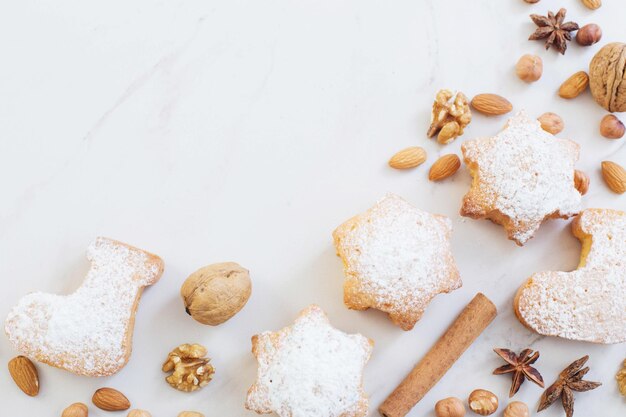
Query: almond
614	176
574	85
110	399
592	4
25	375
581	182
491	104
190	414
408	158
444	167
76	410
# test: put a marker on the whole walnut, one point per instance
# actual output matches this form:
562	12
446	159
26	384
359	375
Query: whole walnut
215	293
607	77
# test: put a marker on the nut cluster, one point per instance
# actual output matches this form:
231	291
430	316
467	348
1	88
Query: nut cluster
191	369
450	115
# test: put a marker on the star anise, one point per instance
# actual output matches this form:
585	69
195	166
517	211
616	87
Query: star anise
553	29
570	380
519	366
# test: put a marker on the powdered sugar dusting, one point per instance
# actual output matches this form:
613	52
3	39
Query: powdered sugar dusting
310	369
589	303
524	173
86	332
397	258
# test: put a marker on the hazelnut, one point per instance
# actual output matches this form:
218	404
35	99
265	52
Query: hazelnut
621	379
607	77
139	413
529	68
217	292
516	409
75	410
589	34
483	402
611	127
532	1
449	407
581	182
551	122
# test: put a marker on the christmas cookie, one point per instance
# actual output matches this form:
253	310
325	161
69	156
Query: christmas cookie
396	259
309	369
587	304
521	177
90	331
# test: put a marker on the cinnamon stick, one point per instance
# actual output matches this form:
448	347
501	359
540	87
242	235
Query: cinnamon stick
460	335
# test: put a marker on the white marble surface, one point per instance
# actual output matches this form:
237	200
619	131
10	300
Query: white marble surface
207	131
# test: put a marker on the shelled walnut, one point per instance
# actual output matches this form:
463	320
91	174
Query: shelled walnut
191	369
450	115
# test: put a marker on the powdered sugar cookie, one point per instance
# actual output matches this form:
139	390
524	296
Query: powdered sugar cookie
521	177
396	258
90	331
310	369
589	303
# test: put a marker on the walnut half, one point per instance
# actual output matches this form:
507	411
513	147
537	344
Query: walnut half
451	113
191	369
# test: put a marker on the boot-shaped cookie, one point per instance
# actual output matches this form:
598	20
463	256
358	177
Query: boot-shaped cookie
90	331
587	304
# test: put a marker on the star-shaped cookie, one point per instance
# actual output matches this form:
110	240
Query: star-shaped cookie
396	259
310	369
521	177
587	304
